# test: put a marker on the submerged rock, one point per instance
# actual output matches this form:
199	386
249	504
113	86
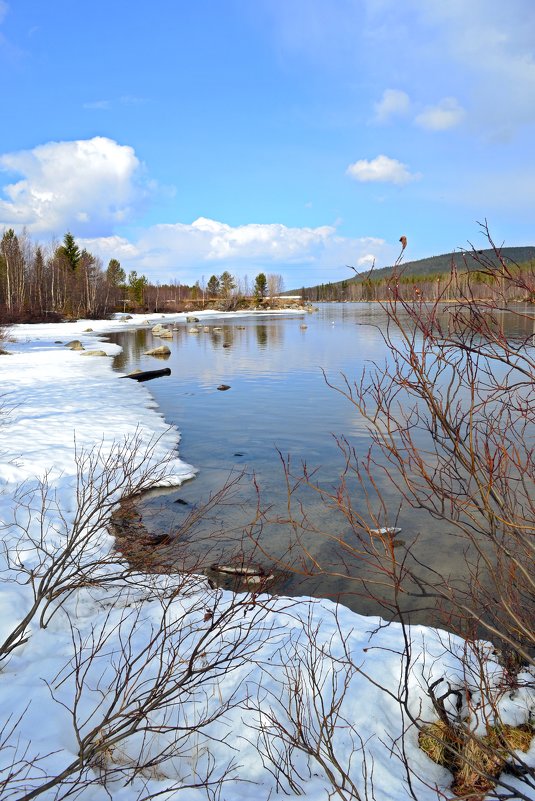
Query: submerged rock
223	387
390	531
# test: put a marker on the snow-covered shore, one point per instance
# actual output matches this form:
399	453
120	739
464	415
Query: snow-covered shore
58	405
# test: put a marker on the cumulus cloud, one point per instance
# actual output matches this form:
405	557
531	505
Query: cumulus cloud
446	114
393	103
381	169
167	251
87	186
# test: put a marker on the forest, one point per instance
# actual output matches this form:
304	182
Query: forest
63	281
446	277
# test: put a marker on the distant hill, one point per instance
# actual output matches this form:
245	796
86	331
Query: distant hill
435	265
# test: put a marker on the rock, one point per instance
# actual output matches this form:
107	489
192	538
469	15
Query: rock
390	531
217	328
223	387
162	350
87	330
194	330
226	344
5	352
94	353
206	329
239	569
302	327
74	344
157	328
190	319
165	334
181	501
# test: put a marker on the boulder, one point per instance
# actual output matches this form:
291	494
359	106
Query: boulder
94	353
162	350
223	387
191	319
74	344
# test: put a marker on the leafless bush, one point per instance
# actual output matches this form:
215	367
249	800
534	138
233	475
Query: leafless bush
451	419
305	716
143	679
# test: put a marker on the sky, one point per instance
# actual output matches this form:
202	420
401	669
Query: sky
296	137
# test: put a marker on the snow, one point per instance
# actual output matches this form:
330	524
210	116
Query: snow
63	415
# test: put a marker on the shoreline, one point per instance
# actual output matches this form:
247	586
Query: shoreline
60	403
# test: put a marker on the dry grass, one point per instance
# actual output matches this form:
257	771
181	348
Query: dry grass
474	762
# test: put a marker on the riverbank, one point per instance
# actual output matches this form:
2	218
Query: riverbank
60	404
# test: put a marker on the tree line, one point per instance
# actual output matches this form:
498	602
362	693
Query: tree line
55	281
484	283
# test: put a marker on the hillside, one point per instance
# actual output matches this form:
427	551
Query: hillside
433	265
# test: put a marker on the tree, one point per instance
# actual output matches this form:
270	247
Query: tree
228	284
71	251
115	274
275	284
260	285
137	286
213	286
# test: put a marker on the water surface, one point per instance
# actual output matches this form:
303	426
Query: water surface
279	409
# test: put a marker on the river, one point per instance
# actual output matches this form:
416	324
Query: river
279	420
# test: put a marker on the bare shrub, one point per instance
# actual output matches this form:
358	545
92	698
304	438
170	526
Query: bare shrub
451	419
147	652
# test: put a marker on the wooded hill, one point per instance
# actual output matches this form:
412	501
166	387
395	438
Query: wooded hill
430	275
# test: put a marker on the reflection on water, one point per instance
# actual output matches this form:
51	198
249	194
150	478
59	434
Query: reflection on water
278	420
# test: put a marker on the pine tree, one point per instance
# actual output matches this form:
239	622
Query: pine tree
71	251
260	285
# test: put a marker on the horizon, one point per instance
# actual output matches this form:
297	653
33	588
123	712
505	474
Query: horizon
292	138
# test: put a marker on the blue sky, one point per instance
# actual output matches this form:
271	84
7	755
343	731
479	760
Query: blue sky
289	136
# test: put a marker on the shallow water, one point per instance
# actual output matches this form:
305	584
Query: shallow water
279	407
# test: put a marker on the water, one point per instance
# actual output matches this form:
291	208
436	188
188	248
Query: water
280	415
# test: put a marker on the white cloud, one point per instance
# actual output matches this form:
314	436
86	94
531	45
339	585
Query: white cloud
393	103
446	114
381	169
88	186
482	48
186	251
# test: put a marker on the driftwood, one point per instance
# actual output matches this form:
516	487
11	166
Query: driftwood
147	375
